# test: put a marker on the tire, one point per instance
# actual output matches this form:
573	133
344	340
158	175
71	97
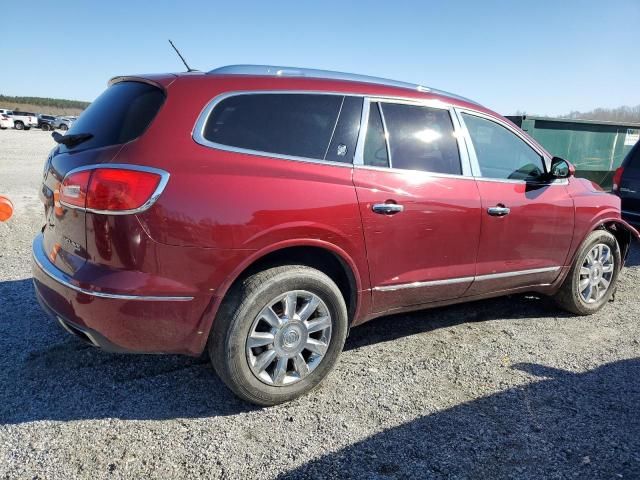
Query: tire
27	128
64	127
571	295
236	363
45	127
19	126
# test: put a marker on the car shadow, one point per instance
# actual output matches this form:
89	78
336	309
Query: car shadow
48	374
562	425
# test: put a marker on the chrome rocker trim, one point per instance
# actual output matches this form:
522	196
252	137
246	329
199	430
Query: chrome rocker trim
451	281
49	269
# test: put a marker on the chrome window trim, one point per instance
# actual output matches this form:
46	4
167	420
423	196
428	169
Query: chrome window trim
477	278
49	269
437	104
164	179
198	129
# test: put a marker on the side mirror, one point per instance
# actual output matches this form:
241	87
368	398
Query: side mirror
560	168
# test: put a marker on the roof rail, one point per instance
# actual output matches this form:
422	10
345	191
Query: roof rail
277	71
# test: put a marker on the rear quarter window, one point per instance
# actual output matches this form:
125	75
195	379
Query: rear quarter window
291	124
122	113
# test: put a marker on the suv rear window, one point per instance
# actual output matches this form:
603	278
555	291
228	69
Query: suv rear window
299	125
123	112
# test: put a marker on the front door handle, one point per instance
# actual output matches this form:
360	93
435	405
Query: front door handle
498	211
387	208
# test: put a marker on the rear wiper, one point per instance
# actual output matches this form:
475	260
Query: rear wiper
71	140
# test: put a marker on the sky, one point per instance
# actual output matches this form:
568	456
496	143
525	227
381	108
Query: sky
536	56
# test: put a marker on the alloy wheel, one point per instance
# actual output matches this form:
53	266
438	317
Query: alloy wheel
289	338
596	273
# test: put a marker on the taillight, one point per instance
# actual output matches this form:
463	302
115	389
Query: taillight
617	179
113	190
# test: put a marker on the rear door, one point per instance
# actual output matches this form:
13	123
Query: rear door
629	189
420	207
527	222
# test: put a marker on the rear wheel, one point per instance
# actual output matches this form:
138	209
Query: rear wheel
45	127
19	125
64	127
278	334
591	281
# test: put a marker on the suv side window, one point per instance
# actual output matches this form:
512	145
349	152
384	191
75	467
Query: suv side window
375	144
501	153
299	125
421	138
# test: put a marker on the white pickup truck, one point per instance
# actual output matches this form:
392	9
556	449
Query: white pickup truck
24	120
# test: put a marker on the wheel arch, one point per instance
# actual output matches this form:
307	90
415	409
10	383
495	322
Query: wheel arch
324	256
622	231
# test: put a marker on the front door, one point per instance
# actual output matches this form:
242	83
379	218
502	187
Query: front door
420	207
527	221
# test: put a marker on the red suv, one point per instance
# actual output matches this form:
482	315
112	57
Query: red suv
260	212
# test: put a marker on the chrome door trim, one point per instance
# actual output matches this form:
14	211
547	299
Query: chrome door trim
517	273
49	269
432	283
451	281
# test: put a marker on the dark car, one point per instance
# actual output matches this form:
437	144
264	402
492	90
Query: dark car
626	184
45	122
262	212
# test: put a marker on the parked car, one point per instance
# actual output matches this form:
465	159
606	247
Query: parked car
63	123
4	111
626	184
24	120
46	122
262	212
5	121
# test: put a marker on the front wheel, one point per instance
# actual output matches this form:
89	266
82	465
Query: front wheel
278	334
19	126
64	127
591	281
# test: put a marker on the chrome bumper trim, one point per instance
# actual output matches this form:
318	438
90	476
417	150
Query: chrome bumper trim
49	269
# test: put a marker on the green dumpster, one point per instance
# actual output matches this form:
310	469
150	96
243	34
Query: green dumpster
595	148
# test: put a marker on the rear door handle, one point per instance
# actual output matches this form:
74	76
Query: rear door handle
387	208
498	211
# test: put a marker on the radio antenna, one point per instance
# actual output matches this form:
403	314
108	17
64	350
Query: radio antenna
189	69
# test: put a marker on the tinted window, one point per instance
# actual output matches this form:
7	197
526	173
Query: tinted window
120	114
421	138
345	136
501	153
633	162
375	145
299	125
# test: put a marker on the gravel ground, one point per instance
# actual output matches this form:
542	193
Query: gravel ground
506	388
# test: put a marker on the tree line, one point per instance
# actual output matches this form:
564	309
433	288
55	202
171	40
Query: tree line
620	114
43	101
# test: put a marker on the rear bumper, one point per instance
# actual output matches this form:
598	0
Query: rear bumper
119	321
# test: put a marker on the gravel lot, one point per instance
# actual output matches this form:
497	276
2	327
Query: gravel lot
507	388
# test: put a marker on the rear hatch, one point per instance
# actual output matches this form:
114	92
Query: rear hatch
120	115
